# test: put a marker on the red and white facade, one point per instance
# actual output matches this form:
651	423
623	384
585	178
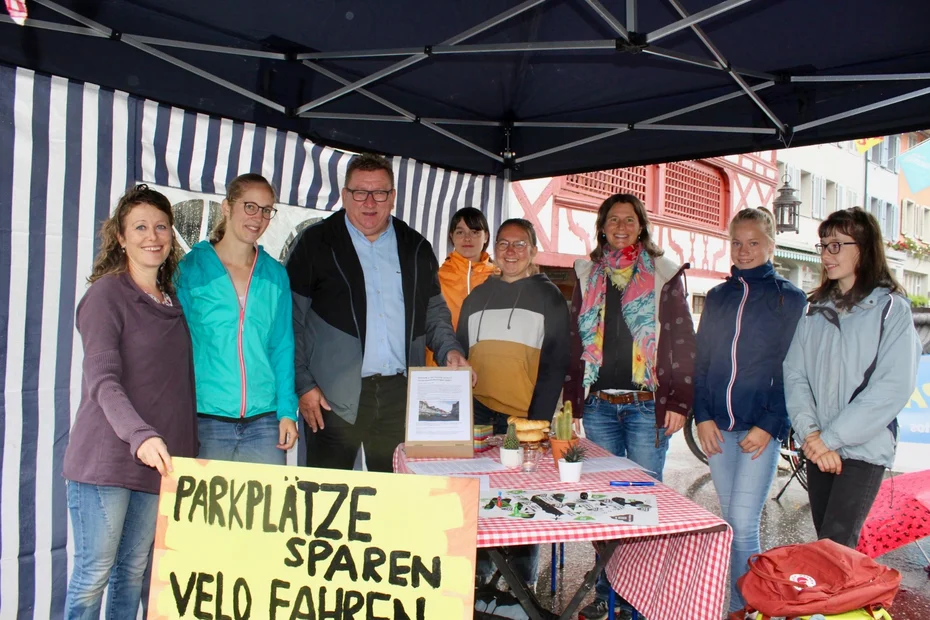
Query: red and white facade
689	203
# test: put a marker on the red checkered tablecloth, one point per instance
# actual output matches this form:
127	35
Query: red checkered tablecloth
671	571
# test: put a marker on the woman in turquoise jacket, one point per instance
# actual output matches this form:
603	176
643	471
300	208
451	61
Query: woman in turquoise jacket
237	302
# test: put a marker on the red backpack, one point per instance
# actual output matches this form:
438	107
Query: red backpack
821	577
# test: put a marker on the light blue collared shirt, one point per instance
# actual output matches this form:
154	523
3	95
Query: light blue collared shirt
385	323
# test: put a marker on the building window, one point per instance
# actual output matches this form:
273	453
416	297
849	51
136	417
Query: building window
852	198
819	197
910	224
915	283
806	192
894	149
885	153
697	303
606	183
694	192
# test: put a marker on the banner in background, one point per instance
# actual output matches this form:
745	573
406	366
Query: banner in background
864	144
915	164
241	541
914	425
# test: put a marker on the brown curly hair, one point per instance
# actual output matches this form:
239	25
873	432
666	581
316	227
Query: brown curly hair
111	259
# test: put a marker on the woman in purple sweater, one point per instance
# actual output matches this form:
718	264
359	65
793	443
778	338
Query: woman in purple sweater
137	405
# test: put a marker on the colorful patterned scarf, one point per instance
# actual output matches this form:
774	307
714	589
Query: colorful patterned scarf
632	271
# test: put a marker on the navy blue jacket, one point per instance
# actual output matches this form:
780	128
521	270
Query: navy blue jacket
746	328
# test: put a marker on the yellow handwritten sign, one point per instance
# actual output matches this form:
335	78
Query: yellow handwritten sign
236	541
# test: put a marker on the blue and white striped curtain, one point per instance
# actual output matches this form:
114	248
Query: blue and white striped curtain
200	153
67	151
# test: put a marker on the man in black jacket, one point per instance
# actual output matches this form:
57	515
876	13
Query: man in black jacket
366	304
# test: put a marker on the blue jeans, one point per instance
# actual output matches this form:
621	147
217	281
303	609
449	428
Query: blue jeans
114	531
742	485
252	440
630	431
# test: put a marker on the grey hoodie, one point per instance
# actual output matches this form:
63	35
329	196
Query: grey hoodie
827	361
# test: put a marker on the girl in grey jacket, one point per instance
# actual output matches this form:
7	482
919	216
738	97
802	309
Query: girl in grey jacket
851	368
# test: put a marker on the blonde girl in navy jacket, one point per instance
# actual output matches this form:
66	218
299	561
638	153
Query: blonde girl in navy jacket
739	402
237	300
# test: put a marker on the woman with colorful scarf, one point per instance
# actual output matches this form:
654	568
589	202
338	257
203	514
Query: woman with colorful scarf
632	347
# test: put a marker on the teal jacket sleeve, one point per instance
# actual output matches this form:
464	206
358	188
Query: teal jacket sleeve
281	353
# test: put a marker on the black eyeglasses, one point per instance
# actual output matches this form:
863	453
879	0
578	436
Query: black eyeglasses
833	247
361	195
251	208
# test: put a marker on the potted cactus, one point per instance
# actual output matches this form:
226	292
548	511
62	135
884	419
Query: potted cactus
563	436
511	452
571	463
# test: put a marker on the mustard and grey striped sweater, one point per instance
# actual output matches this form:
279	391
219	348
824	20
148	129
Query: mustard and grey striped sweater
516	338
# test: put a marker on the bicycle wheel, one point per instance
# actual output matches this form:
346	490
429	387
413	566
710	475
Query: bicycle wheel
796	459
694	444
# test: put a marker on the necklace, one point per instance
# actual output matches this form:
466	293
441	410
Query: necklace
166	302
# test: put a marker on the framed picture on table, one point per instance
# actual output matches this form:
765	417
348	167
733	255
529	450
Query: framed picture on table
439	413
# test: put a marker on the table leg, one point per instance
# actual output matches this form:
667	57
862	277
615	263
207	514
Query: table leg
605	549
502	558
552	571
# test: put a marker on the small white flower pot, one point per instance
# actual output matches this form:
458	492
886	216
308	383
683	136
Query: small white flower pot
570	472
512	458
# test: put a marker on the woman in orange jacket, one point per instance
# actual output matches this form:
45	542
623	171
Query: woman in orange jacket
468	265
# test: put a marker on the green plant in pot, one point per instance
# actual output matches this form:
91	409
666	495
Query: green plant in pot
574	454
563	436
511	452
571	463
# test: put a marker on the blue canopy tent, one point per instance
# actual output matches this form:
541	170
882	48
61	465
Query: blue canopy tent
507	88
517	89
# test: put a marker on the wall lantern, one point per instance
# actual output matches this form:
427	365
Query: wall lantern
786	208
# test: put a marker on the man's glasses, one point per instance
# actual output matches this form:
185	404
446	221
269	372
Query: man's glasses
518	246
832	247
251	208
361	195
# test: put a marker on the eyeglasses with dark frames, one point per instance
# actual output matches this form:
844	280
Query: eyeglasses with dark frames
251	208
361	195
833	247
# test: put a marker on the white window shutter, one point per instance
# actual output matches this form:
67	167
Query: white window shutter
823	197
896	219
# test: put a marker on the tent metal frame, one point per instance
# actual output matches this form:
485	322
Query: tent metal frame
628	41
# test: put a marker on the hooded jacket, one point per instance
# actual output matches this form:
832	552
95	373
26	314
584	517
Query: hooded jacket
330	309
746	327
458	277
243	358
674	346
516	337
827	361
